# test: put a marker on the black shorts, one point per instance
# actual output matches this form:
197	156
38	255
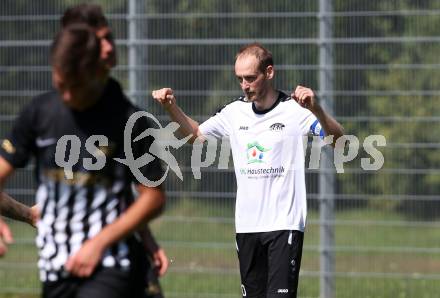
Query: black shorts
269	263
104	283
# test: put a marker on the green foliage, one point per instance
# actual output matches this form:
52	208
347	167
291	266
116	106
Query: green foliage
398	82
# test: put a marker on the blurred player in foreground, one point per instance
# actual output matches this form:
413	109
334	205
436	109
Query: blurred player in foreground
86	234
93	16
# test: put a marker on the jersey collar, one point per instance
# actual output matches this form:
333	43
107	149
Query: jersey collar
281	97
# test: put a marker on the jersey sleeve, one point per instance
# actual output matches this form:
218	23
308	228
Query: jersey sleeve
217	126
19	145
310	124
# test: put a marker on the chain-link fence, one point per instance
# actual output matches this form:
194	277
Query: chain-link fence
371	233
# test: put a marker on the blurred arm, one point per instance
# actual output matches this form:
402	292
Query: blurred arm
159	256
5	233
18	211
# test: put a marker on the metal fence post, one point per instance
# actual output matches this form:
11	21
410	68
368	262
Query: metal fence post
326	178
132	82
137	75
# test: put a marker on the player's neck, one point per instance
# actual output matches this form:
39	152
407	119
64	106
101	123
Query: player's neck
267	100
93	97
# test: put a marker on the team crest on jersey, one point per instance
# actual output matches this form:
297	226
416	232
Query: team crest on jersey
8	147
277	126
256	153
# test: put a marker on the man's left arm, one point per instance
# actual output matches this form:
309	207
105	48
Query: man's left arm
306	98
157	253
330	126
149	204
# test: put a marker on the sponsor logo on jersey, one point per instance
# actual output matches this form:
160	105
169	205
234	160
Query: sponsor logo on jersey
262	171
256	153
40	142
283	291
277	126
8	147
242	127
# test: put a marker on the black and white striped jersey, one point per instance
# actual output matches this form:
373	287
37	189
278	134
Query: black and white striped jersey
77	206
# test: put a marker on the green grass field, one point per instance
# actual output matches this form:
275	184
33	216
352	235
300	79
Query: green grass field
200	243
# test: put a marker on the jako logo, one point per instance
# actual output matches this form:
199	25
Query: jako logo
277	126
244	128
283	291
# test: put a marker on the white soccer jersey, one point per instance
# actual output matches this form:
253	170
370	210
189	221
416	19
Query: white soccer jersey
268	153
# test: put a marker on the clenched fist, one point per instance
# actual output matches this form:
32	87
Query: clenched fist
305	97
164	96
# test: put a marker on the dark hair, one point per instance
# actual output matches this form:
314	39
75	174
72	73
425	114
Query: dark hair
75	52
91	14
263	55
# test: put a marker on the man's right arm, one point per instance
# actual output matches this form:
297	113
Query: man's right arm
5	233
5	237
188	126
13	209
14	153
10	207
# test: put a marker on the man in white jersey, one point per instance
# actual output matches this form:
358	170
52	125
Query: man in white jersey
266	132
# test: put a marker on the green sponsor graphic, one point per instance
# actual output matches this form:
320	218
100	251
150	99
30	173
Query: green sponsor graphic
258	146
256	152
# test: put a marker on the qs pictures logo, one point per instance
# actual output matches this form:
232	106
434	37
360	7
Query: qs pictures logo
256	153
